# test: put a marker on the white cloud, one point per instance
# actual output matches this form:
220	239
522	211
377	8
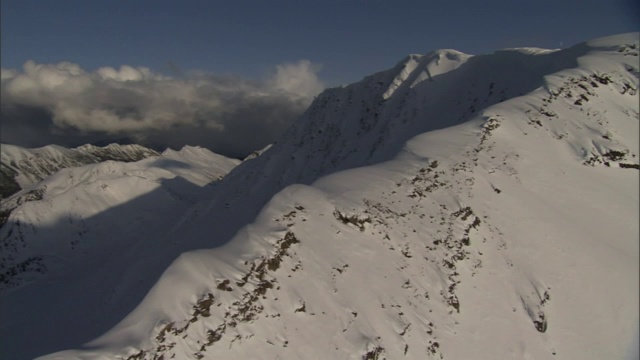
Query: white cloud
298	78
136	102
127	73
6	74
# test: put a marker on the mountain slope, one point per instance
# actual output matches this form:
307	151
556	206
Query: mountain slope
75	197
470	232
21	167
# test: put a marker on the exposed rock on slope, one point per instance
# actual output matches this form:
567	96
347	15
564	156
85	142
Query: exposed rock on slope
451	207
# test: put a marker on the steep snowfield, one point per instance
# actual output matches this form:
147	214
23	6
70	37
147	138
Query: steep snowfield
452	207
22	167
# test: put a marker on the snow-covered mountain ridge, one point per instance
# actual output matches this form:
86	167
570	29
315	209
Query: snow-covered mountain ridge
22	167
75	196
455	207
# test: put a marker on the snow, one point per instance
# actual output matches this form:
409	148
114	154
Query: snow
69	217
33	165
209	165
482	211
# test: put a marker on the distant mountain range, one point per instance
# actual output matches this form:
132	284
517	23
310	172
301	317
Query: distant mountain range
451	207
21	167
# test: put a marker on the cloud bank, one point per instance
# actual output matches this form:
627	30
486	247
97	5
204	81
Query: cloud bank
64	104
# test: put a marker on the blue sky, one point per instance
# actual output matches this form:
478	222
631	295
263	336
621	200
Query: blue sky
350	39
77	71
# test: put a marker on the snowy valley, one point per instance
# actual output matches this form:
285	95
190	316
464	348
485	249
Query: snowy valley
451	207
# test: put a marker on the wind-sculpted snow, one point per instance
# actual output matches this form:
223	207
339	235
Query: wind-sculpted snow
453	207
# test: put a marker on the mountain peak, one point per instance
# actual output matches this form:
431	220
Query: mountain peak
414	68
448	207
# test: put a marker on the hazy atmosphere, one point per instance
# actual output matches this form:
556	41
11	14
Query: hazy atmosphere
232	76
